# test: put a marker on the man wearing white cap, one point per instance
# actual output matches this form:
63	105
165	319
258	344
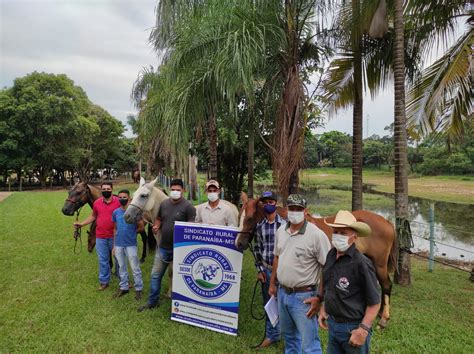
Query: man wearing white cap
215	211
349	289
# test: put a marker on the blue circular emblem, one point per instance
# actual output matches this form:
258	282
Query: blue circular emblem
207	273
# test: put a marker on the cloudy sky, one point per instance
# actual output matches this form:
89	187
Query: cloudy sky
102	45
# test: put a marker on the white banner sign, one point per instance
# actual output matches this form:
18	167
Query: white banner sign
206	276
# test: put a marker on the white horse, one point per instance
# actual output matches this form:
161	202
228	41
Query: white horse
145	203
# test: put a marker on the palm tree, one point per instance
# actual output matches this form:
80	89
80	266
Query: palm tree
403	273
441	99
234	47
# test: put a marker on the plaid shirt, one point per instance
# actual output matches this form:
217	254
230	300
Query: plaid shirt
265	241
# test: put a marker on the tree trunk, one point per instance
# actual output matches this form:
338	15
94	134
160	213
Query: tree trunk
212	124
403	274
20	179
357	117
193	176
251	153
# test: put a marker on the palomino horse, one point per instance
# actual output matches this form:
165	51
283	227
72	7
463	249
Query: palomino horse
81	194
380	246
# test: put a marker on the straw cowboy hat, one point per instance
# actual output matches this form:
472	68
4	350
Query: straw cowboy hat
345	218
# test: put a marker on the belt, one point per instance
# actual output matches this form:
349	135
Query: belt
344	320
298	289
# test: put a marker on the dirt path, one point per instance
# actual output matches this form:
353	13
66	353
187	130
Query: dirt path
4	195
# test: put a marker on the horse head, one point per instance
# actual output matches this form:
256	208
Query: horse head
146	199
251	214
78	196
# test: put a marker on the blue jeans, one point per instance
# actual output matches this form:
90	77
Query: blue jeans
272	333
130	252
339	335
103	248
162	258
299	332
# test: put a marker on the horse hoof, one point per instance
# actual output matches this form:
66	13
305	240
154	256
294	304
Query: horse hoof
382	324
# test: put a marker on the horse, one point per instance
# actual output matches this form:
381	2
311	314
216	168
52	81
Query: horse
146	203
136	176
81	194
380	246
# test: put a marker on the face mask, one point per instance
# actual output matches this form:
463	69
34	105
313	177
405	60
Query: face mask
295	217
340	242
175	195
106	194
123	201
269	209
213	196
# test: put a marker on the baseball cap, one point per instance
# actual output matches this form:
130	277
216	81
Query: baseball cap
212	182
269	195
297	200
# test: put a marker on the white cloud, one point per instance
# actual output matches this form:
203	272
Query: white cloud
101	45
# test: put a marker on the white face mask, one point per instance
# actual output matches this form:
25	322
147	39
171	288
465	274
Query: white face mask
340	242
212	196
295	217
175	195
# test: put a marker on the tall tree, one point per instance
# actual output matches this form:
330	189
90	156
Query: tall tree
403	273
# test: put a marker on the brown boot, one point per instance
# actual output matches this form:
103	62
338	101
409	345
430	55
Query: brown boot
120	293
265	343
138	295
103	286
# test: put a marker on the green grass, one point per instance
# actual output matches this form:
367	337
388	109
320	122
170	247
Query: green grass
50	303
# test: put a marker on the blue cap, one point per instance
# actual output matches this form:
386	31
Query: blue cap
269	195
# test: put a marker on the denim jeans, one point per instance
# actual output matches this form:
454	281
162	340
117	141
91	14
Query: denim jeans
272	333
162	258
339	335
299	332
103	248
122	253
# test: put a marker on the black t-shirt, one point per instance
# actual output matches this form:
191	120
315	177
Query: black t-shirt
169	213
350	285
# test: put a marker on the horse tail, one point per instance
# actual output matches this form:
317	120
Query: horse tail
393	257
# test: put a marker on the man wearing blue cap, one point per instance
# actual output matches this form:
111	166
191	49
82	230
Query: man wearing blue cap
263	249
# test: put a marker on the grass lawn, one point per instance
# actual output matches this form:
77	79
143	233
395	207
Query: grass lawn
50	303
457	189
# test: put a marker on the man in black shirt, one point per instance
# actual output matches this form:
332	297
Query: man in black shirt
176	208
349	289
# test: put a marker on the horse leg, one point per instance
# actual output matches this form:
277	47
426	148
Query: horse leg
170	275
144	241
151	239
386	285
91	237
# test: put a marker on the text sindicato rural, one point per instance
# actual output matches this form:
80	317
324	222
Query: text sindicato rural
208	235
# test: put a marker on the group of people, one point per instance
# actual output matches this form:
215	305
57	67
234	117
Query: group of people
297	265
316	284
115	236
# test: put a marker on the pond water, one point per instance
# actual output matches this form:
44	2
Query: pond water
453	226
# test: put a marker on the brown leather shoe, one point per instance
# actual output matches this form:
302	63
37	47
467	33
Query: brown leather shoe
265	343
103	286
138	295
120	293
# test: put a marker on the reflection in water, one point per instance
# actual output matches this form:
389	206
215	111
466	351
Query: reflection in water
453	226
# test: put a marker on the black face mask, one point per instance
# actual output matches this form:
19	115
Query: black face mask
106	194
123	201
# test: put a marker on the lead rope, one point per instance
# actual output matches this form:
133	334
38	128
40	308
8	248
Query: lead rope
252	302
77	234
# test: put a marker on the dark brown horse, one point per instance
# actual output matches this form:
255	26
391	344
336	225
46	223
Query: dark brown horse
81	194
136	176
380	246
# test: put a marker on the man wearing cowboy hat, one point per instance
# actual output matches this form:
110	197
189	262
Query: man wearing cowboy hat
349	289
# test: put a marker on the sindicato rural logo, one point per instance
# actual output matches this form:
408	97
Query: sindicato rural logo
207	273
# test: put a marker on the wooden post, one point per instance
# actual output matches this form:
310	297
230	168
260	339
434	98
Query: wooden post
431	262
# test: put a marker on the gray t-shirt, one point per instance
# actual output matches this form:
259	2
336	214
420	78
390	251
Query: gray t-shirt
169	213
